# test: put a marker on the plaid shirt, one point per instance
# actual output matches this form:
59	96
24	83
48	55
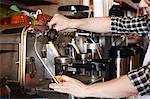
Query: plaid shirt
130	25
141	79
136	26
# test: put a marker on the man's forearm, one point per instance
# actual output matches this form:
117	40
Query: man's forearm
120	87
99	24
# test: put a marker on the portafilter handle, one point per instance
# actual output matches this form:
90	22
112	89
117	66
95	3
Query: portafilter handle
51	34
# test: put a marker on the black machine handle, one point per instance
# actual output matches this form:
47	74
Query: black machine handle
51	34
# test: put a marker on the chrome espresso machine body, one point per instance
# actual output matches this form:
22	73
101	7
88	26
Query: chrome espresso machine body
71	53
45	54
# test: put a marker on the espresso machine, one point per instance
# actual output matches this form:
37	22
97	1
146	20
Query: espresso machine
46	54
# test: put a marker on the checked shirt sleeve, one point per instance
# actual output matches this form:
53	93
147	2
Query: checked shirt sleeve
140	78
130	25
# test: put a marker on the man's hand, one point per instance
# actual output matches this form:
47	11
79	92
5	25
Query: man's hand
59	22
70	86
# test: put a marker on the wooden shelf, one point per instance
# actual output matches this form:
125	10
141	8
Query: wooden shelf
36	2
25	4
12	26
29	2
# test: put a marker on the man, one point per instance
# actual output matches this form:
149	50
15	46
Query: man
135	82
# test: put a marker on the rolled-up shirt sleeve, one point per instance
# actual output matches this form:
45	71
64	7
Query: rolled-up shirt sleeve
140	78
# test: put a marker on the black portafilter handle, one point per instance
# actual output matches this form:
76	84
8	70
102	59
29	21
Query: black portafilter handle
51	34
